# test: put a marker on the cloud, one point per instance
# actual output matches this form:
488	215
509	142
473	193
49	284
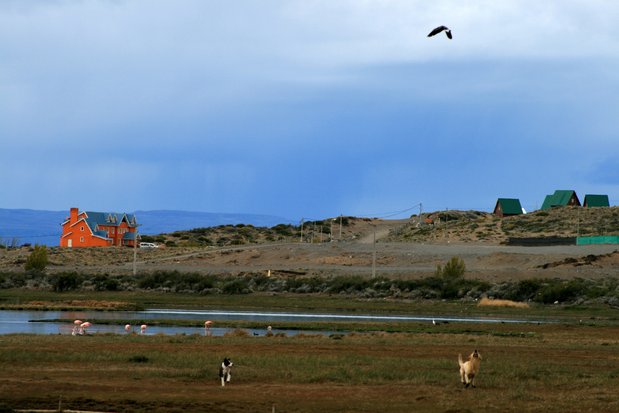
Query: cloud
265	104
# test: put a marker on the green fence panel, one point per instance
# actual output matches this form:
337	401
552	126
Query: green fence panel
606	239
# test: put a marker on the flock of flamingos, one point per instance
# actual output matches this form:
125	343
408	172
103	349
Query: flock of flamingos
79	328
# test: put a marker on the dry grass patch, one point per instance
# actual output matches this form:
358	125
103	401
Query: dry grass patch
72	304
487	302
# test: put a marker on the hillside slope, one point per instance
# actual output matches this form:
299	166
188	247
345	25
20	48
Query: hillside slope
435	227
474	226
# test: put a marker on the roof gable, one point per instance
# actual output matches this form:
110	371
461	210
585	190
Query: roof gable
596	200
548	201
560	198
109	219
563	197
510	206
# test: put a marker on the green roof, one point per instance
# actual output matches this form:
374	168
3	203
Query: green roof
596	201
559	198
510	206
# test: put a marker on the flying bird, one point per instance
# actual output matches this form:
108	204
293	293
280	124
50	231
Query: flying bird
440	29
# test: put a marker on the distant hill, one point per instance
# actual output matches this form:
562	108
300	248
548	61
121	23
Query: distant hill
474	226
27	226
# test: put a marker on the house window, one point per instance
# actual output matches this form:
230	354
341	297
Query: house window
82	228
82	239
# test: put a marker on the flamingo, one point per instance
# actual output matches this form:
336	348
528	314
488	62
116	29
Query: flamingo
83	327
207	327
76	326
128	328
143	329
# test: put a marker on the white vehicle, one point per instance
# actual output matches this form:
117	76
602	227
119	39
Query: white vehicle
148	245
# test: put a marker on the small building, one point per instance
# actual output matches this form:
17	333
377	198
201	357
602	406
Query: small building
561	198
98	229
507	207
596	201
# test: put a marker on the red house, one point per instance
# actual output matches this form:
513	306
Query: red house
98	229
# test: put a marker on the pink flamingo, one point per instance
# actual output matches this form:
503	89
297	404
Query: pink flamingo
76	326
207	327
83	327
143	329
128	328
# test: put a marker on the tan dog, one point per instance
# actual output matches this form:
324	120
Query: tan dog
470	368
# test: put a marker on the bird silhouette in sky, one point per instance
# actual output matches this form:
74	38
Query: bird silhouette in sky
440	29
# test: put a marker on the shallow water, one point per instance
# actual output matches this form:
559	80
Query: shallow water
12	322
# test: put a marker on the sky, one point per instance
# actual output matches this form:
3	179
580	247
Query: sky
306	108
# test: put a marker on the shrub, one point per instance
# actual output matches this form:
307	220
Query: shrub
236	286
66	281
37	260
562	291
283	229
524	290
105	283
348	284
454	269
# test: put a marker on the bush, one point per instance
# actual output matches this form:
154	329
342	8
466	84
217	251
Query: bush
454	269
561	291
236	286
37	260
105	283
66	281
524	290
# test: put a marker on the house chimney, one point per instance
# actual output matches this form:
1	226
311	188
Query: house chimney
73	216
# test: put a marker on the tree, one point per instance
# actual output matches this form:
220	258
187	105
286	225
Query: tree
37	260
453	270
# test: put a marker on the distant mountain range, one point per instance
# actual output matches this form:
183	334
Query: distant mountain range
27	226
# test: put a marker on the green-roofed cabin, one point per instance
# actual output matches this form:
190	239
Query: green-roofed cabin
507	207
561	198
596	201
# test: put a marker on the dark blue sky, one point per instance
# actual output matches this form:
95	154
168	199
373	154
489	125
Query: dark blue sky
306	108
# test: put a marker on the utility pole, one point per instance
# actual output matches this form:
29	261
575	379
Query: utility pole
577	224
135	252
420	207
313	231
446	219
374	255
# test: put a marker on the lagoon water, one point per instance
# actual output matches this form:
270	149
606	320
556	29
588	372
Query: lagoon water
33	322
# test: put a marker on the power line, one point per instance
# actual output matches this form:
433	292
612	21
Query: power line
392	213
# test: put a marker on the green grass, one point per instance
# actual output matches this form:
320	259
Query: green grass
320	303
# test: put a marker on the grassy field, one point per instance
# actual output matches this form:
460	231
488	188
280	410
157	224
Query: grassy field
570	364
526	367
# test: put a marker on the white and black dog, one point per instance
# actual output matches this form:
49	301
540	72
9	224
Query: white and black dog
225	370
